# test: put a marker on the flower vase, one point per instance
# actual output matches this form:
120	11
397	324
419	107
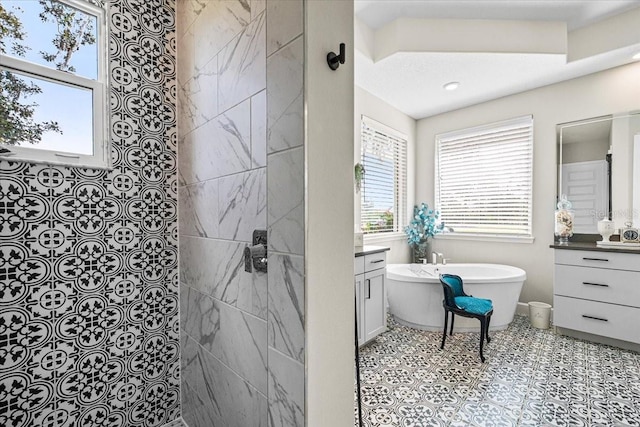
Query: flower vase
421	252
564	221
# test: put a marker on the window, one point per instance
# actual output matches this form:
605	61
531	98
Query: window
484	178
384	186
52	82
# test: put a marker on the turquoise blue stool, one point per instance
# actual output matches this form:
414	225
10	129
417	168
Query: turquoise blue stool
457	302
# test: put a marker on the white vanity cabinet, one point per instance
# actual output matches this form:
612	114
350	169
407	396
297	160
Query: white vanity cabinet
370	294
597	292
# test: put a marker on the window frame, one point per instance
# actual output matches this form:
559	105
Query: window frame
400	200
527	237
101	157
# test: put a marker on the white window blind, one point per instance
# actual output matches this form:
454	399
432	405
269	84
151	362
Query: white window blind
384	186
484	178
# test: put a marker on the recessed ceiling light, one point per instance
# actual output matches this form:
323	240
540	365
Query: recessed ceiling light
451	86
636	56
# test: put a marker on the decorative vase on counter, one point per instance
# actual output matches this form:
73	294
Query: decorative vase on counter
422	251
564	221
606	228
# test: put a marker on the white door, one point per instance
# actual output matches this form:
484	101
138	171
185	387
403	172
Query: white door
585	184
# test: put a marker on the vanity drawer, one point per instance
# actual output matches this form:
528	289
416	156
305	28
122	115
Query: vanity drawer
375	261
598	318
358	265
613	286
597	259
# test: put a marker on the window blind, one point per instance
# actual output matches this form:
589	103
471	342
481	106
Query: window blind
384	186
484	178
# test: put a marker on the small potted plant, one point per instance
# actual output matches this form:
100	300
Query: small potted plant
423	226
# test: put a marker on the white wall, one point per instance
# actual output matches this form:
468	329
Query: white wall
585	151
607	92
375	108
330	297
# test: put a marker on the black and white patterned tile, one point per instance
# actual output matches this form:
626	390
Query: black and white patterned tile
88	258
531	377
176	423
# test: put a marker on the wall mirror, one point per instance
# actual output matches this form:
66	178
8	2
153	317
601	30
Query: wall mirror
599	169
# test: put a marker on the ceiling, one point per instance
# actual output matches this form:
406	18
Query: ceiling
576	13
412	80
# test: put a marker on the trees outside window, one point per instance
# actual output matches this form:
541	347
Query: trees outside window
52	91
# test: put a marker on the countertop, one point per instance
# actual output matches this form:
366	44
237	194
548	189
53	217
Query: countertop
591	246
367	250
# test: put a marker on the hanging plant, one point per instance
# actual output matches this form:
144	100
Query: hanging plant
359	174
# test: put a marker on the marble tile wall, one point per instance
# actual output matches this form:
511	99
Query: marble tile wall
240	168
285	212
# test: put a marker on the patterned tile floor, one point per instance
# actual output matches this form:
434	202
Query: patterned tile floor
531	377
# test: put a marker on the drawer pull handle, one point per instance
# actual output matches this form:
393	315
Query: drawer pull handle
595	259
377	261
594	318
595	284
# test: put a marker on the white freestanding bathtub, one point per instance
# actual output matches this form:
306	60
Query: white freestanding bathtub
415	294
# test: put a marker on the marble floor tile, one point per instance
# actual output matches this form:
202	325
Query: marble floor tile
531	378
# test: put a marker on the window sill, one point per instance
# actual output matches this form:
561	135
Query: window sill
82	163
383	237
484	238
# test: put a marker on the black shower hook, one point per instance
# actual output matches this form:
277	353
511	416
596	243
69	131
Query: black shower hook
334	60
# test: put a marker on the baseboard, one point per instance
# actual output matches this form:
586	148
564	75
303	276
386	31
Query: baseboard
612	342
522	309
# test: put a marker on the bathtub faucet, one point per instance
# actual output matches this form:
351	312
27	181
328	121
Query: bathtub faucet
434	257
